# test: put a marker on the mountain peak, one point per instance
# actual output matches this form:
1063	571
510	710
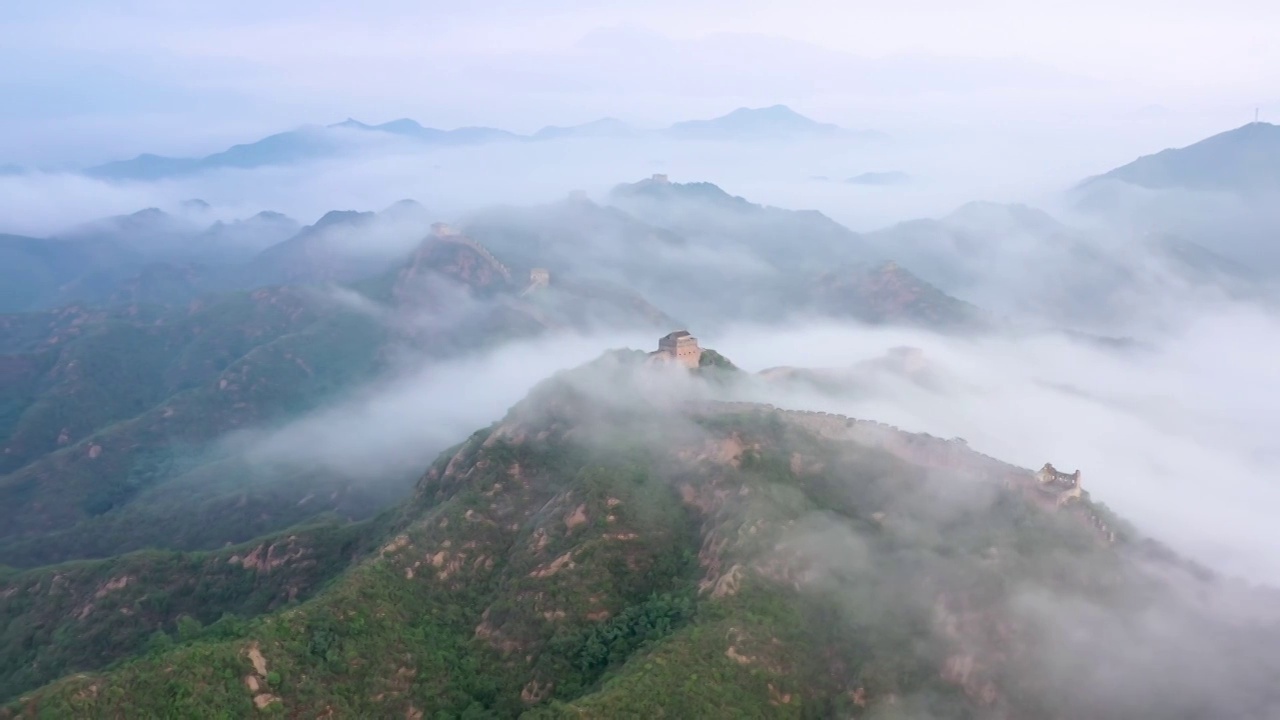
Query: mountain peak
776	111
659	185
313	142
400	126
352	124
151	213
603	127
340	217
406	210
773	121
270	216
1244	159
405	204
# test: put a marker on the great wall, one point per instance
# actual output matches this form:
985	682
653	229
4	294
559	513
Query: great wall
1048	488
928	451
447	233
539	278
919	448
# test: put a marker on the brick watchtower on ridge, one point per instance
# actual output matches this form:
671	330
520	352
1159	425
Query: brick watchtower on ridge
1065	486
681	347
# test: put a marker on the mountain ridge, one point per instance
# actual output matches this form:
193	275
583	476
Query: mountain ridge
313	142
626	541
1243	160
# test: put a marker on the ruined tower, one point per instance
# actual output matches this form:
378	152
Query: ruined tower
661	179
1065	485
680	347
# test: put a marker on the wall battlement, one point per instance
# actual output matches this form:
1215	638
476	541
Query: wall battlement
919	448
933	452
448	233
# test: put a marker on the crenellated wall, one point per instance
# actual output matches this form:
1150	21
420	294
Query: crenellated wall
931	452
446	233
918	448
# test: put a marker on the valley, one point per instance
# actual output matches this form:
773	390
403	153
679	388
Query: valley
651	450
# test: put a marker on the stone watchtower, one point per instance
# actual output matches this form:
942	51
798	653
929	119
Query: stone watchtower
1055	482
661	179
681	347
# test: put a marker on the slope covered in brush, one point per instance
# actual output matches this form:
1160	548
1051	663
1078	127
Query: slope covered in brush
625	544
84	615
112	420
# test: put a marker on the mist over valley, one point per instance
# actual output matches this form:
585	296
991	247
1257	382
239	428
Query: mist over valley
632	381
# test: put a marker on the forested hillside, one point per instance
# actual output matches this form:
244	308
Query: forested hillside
648	551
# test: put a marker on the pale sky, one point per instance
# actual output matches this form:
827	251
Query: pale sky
88	81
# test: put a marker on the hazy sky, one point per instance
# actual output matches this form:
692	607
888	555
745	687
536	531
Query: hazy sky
86	81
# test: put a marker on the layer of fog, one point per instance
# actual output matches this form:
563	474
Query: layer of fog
565	67
949	167
402	422
1176	436
1243	228
1151	432
1018	273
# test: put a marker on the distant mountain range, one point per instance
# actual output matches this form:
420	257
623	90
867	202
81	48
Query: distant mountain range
1244	160
312	142
783	260
154	256
880	178
762	123
1219	193
1023	263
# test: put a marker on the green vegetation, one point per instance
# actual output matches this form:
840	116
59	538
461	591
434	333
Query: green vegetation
84	615
219	502
113	423
382	613
712	359
112	436
608	560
